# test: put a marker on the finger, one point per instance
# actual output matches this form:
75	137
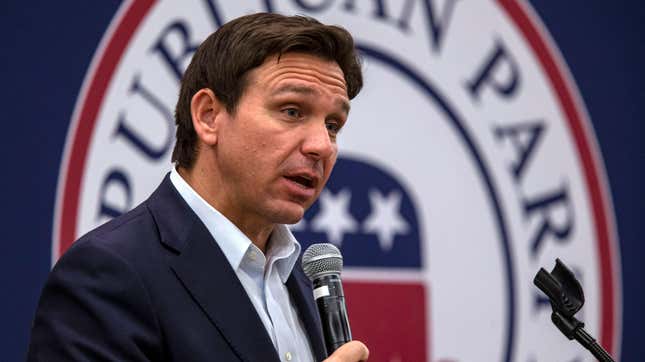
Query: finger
353	351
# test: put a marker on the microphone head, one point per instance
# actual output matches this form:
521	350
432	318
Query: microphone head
321	259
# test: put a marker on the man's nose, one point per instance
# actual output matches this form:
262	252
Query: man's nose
317	143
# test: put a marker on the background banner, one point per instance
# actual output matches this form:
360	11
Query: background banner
490	138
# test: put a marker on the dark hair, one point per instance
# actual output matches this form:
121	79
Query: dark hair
223	60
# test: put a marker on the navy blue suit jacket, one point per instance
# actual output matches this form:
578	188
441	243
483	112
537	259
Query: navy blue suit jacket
152	284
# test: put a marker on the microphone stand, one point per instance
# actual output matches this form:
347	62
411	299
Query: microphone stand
566	297
573	328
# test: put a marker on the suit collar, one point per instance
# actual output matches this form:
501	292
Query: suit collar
173	217
206	274
209	278
204	271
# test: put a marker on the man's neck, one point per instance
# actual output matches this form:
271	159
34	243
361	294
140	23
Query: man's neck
257	232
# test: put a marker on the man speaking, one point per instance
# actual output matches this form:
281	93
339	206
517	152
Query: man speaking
205	269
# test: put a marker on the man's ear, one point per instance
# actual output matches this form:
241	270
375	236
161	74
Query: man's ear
205	109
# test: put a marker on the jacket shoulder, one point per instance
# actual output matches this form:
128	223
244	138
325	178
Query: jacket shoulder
124	234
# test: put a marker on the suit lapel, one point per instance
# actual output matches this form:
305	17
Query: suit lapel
209	278
301	293
205	272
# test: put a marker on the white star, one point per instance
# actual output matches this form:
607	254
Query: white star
385	219
334	217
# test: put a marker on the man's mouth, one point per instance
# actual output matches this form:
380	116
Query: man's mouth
303	180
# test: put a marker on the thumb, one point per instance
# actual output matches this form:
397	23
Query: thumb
352	351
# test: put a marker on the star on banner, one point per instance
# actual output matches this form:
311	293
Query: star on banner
334	217
385	220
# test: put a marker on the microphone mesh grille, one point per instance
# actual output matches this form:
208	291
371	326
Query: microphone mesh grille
323	258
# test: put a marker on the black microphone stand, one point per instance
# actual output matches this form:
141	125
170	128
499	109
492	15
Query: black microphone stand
566	296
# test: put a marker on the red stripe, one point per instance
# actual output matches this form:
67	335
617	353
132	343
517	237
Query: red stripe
590	169
390	318
87	119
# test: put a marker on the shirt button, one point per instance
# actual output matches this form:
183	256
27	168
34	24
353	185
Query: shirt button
287	356
253	255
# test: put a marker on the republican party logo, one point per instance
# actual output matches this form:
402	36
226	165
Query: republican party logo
468	162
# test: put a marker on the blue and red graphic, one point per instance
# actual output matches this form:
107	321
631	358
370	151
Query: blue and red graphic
369	215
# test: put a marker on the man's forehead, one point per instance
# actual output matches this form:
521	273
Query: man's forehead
301	66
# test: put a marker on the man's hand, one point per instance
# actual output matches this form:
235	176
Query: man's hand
353	351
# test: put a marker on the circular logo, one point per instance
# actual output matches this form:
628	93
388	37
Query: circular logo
467	164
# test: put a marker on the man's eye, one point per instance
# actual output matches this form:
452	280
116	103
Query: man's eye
333	127
292	112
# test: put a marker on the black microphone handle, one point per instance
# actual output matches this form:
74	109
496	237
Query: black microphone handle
330	299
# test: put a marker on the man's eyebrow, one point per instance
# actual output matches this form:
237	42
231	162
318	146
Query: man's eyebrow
344	105
292	88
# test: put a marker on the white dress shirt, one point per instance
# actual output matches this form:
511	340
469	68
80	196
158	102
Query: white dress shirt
262	276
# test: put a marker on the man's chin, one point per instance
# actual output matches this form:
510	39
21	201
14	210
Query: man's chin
293	219
289	214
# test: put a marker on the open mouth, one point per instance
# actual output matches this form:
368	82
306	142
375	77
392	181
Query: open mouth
302	180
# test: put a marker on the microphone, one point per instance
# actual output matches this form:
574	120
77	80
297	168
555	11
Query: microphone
322	263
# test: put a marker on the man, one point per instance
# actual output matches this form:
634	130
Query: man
205	269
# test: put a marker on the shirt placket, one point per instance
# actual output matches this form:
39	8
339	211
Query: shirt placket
285	338
256	262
